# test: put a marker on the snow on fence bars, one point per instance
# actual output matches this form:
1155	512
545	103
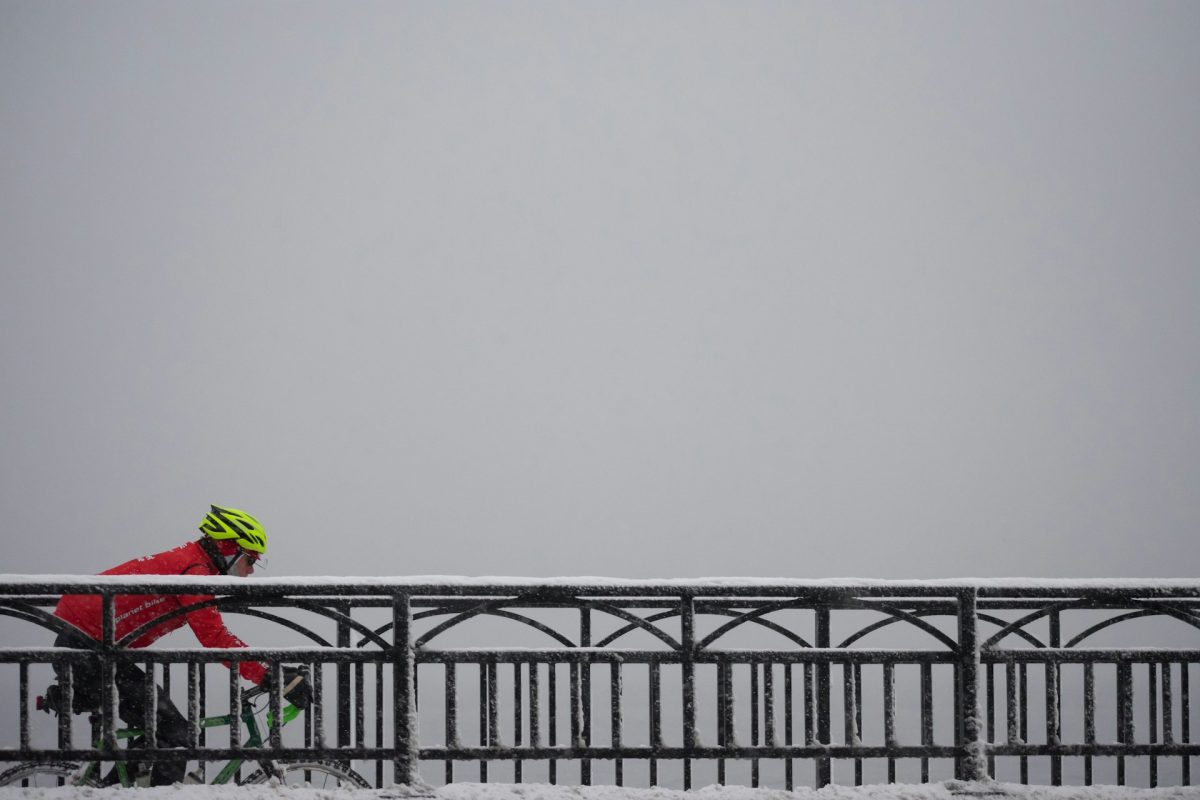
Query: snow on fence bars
679	683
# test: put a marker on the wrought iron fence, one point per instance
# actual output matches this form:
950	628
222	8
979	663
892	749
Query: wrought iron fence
653	683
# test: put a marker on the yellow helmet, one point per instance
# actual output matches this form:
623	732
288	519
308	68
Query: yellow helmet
229	523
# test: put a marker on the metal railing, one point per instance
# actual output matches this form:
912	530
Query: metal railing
736	681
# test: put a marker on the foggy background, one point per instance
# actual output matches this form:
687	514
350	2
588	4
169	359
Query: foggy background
630	289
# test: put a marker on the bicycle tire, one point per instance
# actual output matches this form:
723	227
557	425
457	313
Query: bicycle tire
296	770
70	774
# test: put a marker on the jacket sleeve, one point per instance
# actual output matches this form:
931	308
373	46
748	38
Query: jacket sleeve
210	629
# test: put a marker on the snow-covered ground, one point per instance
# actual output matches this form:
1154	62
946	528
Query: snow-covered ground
532	791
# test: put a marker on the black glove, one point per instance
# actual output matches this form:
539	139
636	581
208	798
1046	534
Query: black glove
299	695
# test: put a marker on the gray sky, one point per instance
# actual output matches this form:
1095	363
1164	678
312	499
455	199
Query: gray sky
634	289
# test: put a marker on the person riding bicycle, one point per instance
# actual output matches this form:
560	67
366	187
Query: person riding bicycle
232	543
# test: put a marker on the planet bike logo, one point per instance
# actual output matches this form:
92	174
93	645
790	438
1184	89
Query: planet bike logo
138	609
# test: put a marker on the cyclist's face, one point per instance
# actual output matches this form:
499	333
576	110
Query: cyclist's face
242	566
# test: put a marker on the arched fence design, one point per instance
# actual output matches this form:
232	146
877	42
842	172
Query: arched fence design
653	682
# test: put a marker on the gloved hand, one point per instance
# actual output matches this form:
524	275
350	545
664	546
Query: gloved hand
299	695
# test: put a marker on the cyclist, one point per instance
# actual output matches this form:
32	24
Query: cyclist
231	544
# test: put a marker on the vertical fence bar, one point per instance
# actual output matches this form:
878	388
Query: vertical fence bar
1168	702
810	707
1127	702
730	708
616	689
358	691
484	725
722	717
721	721
518	723
67	698
576	709
1010	702
1023	700
403	672
889	715
451	704
108	672
656	742
344	731
990	672
788	701
203	681
23	681
235	706
360	705
1054	699
552	700
493	695
193	704
276	704
1185	721
317	709
769	738
1089	716
824	765
1120	726
926	716
1053	730
535	705
754	722
379	722
166	680
585	693
974	764
858	709
314	716
956	706
193	708
1125	732
1152	700
849	705
687	658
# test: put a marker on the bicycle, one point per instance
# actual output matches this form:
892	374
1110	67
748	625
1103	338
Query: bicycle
65	773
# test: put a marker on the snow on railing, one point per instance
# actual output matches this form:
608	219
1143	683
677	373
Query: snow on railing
627	681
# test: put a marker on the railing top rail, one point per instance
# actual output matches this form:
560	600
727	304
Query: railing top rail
438	585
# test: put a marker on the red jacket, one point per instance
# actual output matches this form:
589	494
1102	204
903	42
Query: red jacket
134	611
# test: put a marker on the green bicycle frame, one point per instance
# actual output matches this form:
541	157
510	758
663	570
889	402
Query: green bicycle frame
254	738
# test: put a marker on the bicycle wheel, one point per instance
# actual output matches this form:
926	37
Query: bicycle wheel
54	773
318	774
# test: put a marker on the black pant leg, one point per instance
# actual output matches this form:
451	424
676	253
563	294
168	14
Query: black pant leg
171	729
85	675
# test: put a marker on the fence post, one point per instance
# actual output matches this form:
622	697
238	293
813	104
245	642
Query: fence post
403	669
688	663
108	672
970	713
585	695
1054	700
824	732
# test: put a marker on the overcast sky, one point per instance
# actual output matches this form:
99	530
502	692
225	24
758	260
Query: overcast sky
637	289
